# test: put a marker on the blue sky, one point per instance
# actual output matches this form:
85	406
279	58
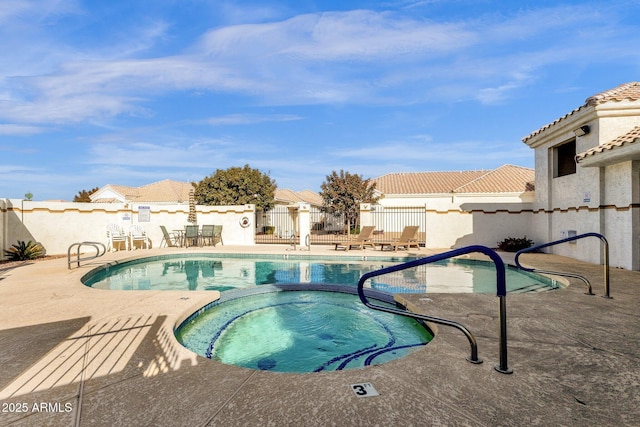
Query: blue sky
130	92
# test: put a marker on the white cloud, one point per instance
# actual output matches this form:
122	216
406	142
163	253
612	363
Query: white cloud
357	57
11	11
248	119
11	129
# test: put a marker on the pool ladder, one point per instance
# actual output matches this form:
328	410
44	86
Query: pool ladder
501	292
575	276
98	246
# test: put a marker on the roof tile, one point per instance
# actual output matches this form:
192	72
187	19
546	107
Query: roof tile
290	196
630	137
165	191
625	92
507	178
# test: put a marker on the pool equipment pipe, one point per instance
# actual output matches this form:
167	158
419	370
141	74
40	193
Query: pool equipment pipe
575	276
501	292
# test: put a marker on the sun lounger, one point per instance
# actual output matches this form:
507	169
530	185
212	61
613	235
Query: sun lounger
363	239
407	239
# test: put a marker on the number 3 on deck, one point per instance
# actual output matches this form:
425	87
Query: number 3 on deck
364	390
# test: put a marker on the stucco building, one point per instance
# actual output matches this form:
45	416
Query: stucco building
457	208
587	177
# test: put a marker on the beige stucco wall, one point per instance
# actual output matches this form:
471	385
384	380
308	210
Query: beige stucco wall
594	199
57	225
456	220
446	202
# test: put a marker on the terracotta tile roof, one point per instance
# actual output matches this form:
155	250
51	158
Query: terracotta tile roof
630	137
311	197
625	92
424	182
286	195
165	191
306	196
505	179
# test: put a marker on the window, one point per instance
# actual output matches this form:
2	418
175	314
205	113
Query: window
564	158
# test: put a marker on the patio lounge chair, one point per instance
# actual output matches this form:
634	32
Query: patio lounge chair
363	239
116	235
206	234
172	240
191	235
408	238
217	234
138	234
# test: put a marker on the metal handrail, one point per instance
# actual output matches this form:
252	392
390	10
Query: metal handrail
98	246
576	276
307	243
501	292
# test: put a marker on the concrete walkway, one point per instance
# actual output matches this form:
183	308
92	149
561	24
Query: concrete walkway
72	355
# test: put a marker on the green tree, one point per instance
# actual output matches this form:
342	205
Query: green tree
342	194
83	196
237	186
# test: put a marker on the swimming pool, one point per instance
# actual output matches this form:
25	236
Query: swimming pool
292	331
223	272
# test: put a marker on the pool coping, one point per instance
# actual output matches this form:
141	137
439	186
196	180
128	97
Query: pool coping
552	281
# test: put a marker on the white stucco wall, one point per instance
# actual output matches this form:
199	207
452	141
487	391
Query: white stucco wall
595	199
456	220
57	225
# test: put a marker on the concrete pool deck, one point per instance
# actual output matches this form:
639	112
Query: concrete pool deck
72	355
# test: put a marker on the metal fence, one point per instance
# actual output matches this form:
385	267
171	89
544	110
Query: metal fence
390	221
279	225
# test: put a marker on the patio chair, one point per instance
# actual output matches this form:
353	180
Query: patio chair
363	239
207	234
115	234
138	234
170	239
407	239
191	235
217	234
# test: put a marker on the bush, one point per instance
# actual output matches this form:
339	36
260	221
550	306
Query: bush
514	244
24	251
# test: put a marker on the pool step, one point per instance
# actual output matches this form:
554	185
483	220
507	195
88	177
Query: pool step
537	287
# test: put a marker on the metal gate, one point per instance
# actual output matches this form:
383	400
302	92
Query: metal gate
325	227
277	225
391	220
280	225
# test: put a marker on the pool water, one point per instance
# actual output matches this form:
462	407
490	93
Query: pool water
223	273
301	331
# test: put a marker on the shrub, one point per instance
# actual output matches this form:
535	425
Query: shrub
514	244
24	251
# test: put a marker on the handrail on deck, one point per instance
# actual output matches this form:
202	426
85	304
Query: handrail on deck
98	246
576	276
501	292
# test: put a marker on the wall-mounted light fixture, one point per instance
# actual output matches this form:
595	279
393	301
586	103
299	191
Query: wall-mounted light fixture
582	130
